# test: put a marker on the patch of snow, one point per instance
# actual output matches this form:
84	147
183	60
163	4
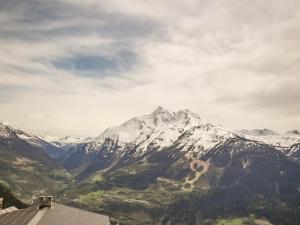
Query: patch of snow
294	149
7	130
66	141
279	140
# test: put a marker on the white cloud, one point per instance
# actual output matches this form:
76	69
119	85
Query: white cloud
233	61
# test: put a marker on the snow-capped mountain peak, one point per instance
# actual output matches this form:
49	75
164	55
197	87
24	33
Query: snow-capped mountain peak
157	121
163	128
161	112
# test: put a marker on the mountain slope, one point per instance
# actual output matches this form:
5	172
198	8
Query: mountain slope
10	142
27	169
34	140
253	179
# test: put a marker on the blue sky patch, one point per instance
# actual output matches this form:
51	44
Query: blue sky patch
95	65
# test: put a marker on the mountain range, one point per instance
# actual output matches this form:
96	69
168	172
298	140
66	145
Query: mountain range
157	130
161	168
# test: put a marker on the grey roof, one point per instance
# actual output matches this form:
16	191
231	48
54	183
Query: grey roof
57	215
65	215
8	210
19	217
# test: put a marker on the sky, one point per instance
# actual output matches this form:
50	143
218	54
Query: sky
74	67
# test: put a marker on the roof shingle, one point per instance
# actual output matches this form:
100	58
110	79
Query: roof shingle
65	215
57	215
19	217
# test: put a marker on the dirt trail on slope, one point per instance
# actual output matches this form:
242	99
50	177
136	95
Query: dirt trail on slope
199	167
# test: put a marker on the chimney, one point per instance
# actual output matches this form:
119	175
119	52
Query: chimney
1	204
45	202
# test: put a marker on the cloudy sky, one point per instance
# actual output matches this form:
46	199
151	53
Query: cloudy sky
76	67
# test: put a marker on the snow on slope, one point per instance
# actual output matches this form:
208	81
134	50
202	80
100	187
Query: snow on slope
295	149
163	128
5	130
12	130
158	130
279	140
9	131
66	141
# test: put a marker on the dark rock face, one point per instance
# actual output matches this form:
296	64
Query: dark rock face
15	145
256	178
83	163
263	170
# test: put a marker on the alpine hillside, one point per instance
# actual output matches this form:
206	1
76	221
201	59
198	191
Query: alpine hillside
26	165
162	168
144	171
